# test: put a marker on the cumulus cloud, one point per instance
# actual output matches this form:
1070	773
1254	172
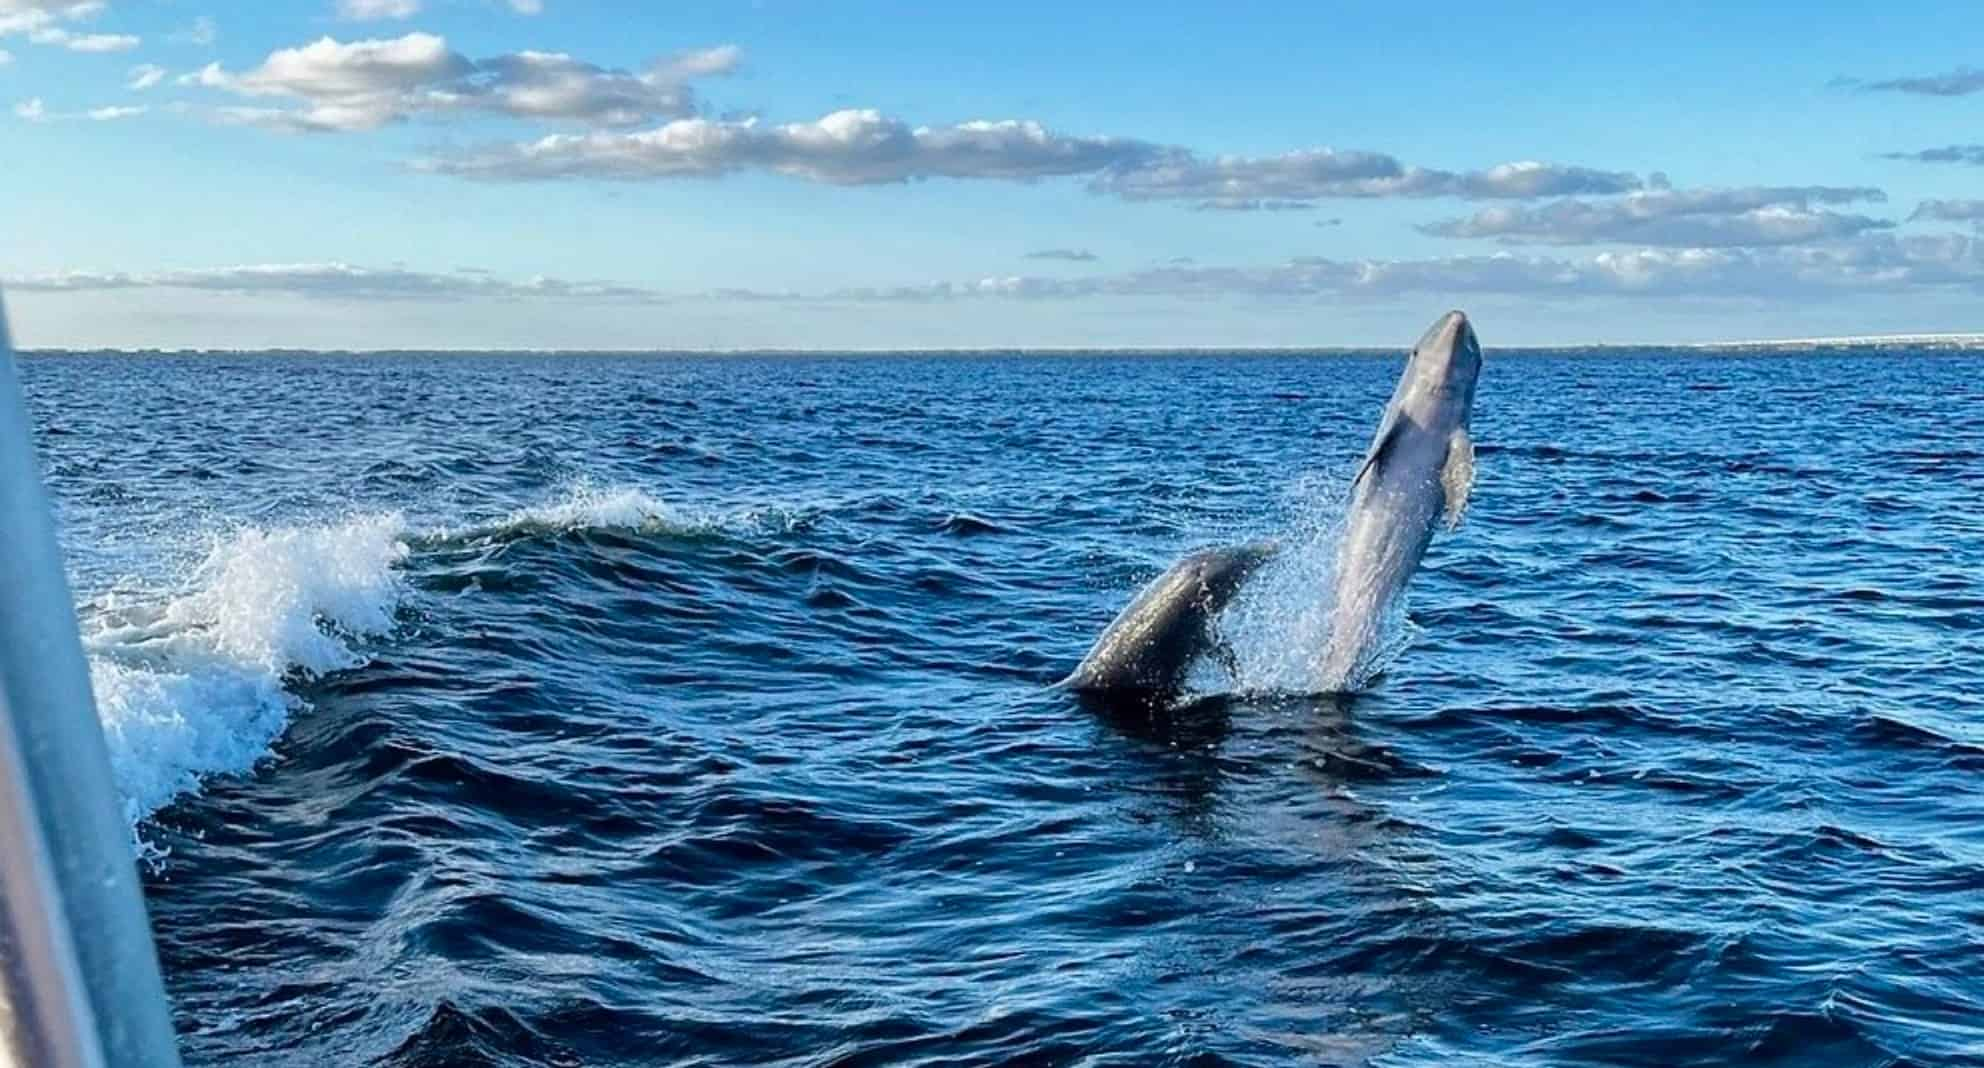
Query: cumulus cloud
1959	82
852	147
32	16
1710	218
362	85
1971	154
41	21
145	76
1327	173
334	281
1071	255
364	10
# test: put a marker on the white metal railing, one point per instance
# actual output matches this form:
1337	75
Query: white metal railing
79	977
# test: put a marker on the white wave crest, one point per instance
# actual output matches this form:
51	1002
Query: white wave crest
189	681
586	506
190	676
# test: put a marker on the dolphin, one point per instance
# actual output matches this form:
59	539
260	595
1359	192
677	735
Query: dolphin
1154	641
1420	465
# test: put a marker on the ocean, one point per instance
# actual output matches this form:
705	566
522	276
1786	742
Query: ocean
699	710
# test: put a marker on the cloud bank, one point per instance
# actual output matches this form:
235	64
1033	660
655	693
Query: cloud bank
1971	154
333	281
1698	218
1960	82
850	147
1326	173
1882	264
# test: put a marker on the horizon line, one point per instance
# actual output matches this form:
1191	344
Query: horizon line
1962	340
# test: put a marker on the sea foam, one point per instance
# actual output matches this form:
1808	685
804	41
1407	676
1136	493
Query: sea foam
193	679
585	506
190	681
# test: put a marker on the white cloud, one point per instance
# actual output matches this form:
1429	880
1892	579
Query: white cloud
852	147
1243	182
109	114
1701	218
84	42
700	63
145	76
41	22
362	85
333	281
202	33
1880	264
29	16
527	7
360	10
864	146
31	110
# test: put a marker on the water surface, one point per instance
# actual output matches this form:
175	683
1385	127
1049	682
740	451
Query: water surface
666	710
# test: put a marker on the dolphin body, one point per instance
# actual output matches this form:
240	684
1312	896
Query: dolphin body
1154	642
1420	465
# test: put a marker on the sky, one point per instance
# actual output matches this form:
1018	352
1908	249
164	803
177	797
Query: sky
576	174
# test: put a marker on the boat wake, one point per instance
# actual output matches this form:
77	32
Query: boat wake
198	677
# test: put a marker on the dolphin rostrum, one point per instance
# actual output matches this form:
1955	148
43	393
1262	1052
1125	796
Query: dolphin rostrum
1155	641
1421	464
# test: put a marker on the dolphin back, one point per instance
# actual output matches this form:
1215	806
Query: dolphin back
1153	642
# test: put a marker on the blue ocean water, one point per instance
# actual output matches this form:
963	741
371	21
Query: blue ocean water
577	710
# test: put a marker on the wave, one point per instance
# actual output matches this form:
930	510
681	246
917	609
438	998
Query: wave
198	677
585	508
190	682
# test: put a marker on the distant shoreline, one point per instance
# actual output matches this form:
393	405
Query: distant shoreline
1959	342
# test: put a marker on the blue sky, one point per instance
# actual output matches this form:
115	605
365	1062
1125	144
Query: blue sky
565	174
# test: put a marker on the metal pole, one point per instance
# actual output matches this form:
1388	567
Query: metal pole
78	971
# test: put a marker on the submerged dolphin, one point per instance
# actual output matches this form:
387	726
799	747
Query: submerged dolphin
1154	642
1421	463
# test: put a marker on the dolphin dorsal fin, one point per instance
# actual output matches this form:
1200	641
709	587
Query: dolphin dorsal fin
1457	475
1380	450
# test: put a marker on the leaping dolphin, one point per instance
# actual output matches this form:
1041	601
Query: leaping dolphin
1421	463
1153	643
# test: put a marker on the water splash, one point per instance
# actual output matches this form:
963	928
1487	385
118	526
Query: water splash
189	681
1281	624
